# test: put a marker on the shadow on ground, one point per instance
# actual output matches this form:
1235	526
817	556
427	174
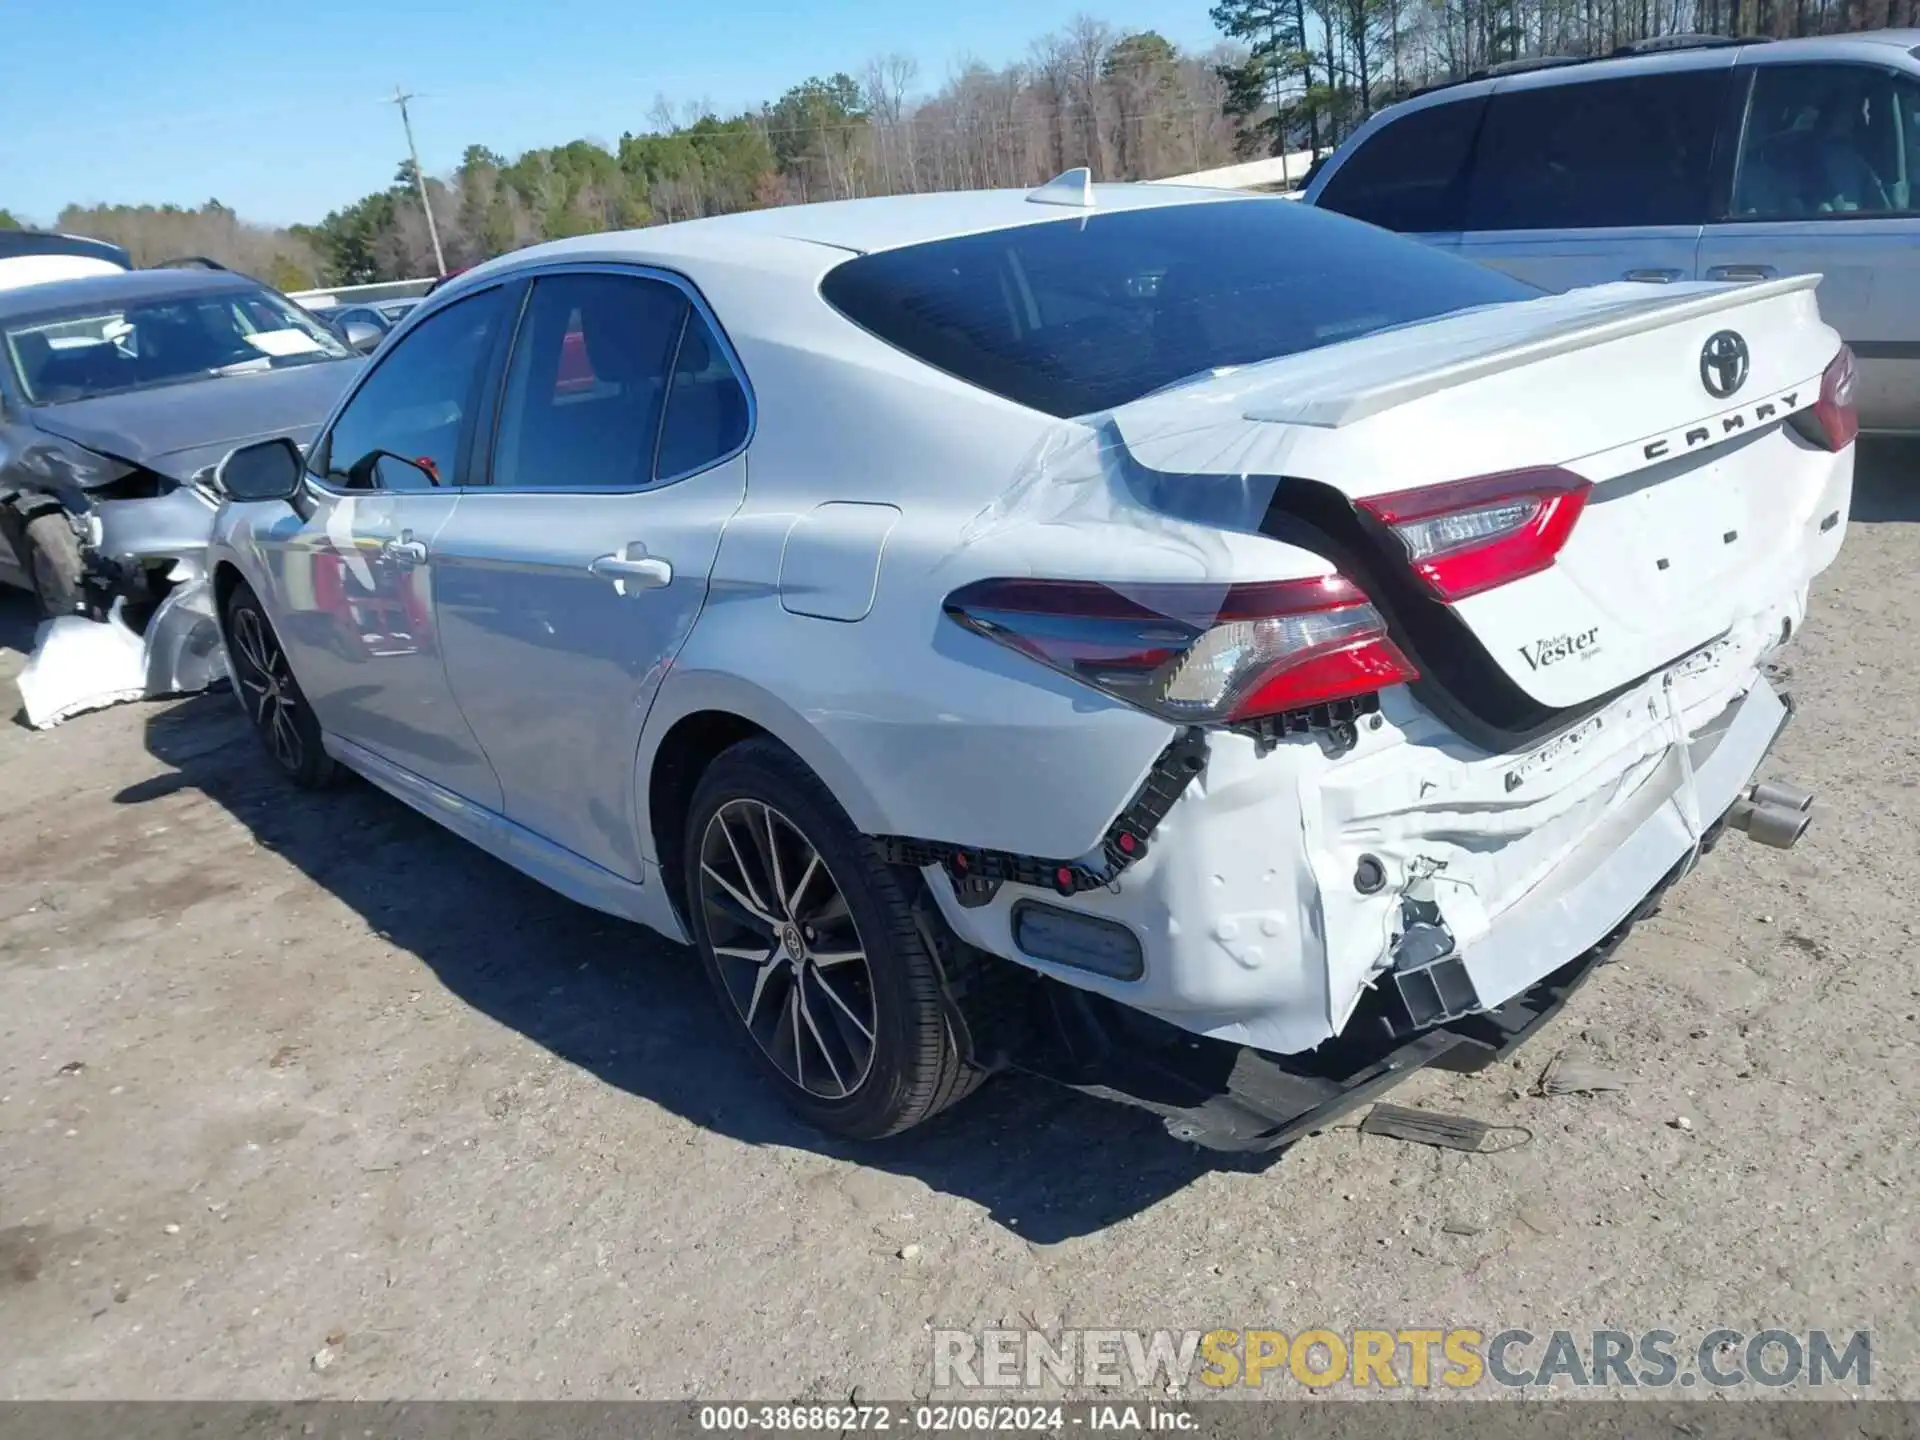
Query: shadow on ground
634	1010
1886	481
19	618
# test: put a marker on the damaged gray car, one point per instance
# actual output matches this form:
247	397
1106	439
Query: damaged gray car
118	395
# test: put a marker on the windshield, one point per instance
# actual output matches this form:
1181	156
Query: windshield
1076	316
96	350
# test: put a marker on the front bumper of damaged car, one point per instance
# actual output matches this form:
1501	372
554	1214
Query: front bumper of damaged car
157	632
155	550
1276	904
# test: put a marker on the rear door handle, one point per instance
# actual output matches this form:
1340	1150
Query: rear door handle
635	570
1741	272
1653	277
406	550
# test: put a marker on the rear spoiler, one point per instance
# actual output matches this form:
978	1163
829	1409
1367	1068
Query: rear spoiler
1442	366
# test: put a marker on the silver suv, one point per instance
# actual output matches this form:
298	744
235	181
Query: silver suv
1713	160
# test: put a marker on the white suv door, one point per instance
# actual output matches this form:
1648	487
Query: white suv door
1824	182
1584	181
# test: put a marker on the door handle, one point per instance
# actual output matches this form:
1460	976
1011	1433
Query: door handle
1653	277
1741	272
636	570
406	550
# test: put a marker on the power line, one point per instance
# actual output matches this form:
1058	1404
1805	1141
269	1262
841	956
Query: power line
401	98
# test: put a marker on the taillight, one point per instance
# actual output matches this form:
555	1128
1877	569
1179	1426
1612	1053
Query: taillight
1835	418
1471	535
1195	653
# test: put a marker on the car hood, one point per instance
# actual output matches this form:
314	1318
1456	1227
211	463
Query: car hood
178	430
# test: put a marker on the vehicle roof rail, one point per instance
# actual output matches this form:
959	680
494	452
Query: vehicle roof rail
1531	62
1657	44
1652	45
1502	67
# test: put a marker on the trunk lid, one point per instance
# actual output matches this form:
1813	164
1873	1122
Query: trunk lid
1703	507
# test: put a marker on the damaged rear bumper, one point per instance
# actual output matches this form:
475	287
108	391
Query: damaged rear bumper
1277	897
1229	1097
1232	1097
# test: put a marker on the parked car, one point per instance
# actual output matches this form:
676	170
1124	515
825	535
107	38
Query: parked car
126	385
381	315
1717	160
1192	645
33	257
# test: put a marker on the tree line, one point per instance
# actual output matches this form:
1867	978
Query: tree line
1131	105
1286	75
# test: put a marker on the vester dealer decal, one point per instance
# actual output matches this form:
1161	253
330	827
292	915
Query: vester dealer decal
1555	648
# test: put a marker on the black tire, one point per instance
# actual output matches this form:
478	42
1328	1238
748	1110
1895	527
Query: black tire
915	1069
54	564
271	696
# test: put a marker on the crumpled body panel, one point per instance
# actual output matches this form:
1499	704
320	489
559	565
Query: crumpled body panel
80	664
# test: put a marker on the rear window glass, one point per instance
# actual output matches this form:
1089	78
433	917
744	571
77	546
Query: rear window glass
1408	175
1602	153
1079	315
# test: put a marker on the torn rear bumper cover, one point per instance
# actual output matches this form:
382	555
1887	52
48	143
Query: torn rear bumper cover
1231	1097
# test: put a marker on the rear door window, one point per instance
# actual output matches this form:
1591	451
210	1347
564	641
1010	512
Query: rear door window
706	414
1074	316
1408	175
1827	140
1633	151
587	383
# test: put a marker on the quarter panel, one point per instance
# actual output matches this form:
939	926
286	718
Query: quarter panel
919	727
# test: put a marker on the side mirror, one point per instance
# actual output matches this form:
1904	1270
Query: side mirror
266	470
385	470
361	337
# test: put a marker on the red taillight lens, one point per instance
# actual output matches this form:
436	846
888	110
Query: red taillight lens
1471	535
1834	411
1195	653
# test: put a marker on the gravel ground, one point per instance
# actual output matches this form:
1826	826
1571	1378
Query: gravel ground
305	1098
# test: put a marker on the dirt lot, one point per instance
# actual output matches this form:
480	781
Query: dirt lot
284	1079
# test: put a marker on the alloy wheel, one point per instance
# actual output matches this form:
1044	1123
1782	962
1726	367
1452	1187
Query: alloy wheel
787	949
266	686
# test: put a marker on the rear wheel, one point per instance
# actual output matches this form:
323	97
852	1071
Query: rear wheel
272	697
810	943
54	564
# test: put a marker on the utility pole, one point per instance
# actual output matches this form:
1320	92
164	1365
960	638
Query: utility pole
401	98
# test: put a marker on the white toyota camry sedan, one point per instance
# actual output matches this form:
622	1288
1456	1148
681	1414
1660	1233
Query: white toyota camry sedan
1197	647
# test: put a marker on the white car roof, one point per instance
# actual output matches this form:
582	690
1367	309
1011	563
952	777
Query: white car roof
20	270
789	237
890	221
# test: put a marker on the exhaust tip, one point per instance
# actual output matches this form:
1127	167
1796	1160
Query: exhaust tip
1782	794
1775	825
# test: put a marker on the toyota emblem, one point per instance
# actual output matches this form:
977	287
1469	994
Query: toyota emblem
1723	364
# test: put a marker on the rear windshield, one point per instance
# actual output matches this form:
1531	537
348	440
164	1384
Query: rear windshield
1085	313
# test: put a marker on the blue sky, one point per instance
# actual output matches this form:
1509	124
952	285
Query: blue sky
275	107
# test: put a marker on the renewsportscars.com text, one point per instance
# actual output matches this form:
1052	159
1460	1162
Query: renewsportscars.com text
1415	1358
